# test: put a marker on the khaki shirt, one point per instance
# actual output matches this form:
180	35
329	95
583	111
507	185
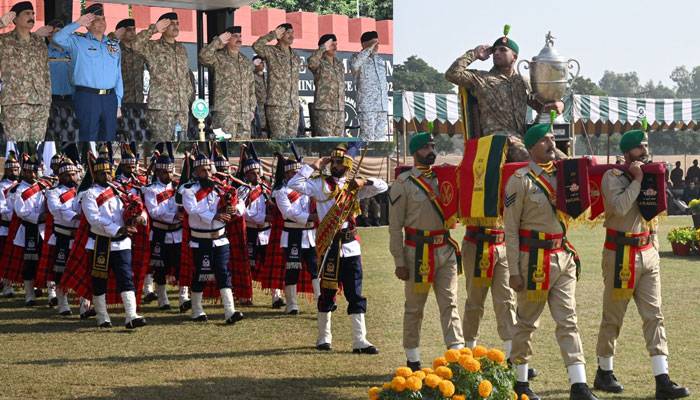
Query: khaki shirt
329	80
235	86
170	86
502	99
620	201
133	64
409	206
282	72
528	208
24	67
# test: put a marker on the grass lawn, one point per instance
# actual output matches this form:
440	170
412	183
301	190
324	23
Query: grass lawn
269	355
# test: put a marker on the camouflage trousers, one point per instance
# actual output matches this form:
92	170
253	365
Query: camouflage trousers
162	124
373	125
261	113
25	122
329	123
282	121
231	124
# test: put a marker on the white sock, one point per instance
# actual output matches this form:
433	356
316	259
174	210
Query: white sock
470	344
605	363
577	373
521	372
456	346
413	355
659	365
507	347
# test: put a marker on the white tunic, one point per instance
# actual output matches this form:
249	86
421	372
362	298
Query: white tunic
28	209
298	212
161	209
104	219
65	213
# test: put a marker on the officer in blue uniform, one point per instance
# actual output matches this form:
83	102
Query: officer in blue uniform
59	67
97	76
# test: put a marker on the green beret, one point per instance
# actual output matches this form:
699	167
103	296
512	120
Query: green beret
419	140
508	42
535	133
632	139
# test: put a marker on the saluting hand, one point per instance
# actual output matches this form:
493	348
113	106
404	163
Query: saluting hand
86	19
320	163
328	44
44	31
225	37
8	18
483	52
280	31
162	25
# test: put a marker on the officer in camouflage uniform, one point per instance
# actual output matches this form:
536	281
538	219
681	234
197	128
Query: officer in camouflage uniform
26	84
260	90
369	71
171	87
234	98
133	63
282	103
329	80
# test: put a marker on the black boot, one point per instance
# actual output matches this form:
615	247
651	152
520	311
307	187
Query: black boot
580	391
279	303
532	374
323	347
523	388
667	389
150	297
235	317
413	365
186	305
136	323
607	382
366	350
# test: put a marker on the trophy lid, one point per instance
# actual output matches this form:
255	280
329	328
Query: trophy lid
548	53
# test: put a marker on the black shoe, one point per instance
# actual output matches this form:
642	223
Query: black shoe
87	314
65	313
523	388
201	318
150	297
279	303
136	323
607	382
667	389
8	295
29	303
532	374
413	365
53	302
323	347
237	316
580	391
366	350
293	312
184	307
38	292
105	325
165	307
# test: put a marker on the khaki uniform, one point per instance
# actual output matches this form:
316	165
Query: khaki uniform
282	102
329	97
528	208
133	64
502	295
410	207
234	99
261	96
622	214
502	99
25	98
171	88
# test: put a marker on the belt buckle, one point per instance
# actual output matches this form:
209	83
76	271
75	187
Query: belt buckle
102	91
556	243
438	240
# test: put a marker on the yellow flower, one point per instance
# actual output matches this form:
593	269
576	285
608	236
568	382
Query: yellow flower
524	397
386	385
514	396
404	371
480	351
444	372
432	380
374	393
485	388
427	370
398	384
439	361
452	355
414	383
459	397
419	374
447	388
473	365
465	351
496	355
464	360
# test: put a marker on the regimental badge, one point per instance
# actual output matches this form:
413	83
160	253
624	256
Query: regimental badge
538	276
156	249
61	256
484	264
294	251
424	269
330	267
573	188
101	260
205	262
650	192
31	243
446	193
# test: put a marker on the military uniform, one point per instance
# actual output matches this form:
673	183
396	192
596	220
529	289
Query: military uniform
171	89
25	98
415	226
261	96
59	69
369	71
234	98
329	96
6	204
132	66
282	102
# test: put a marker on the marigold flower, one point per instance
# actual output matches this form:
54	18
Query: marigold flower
419	374
398	384
444	372
479	351
452	355
439	361
404	371
414	383
524	397
464	360
465	351
473	365
386	385
374	393
496	355
459	397
427	371
447	388
485	388
432	381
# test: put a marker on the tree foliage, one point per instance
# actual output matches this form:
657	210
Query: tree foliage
418	76
377	9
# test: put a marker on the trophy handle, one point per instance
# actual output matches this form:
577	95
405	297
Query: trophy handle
525	64
571	63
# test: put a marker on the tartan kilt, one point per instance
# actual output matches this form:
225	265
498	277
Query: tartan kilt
44	271
12	258
241	277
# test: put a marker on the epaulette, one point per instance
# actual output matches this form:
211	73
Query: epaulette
404	176
520	172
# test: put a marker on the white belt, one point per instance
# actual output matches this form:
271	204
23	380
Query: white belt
296	225
215	234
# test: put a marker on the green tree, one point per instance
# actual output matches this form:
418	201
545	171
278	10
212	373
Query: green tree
377	9
658	91
586	86
620	84
418	76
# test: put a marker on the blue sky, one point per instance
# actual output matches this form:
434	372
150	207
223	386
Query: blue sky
650	37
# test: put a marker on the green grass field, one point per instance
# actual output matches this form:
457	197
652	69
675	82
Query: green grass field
270	356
